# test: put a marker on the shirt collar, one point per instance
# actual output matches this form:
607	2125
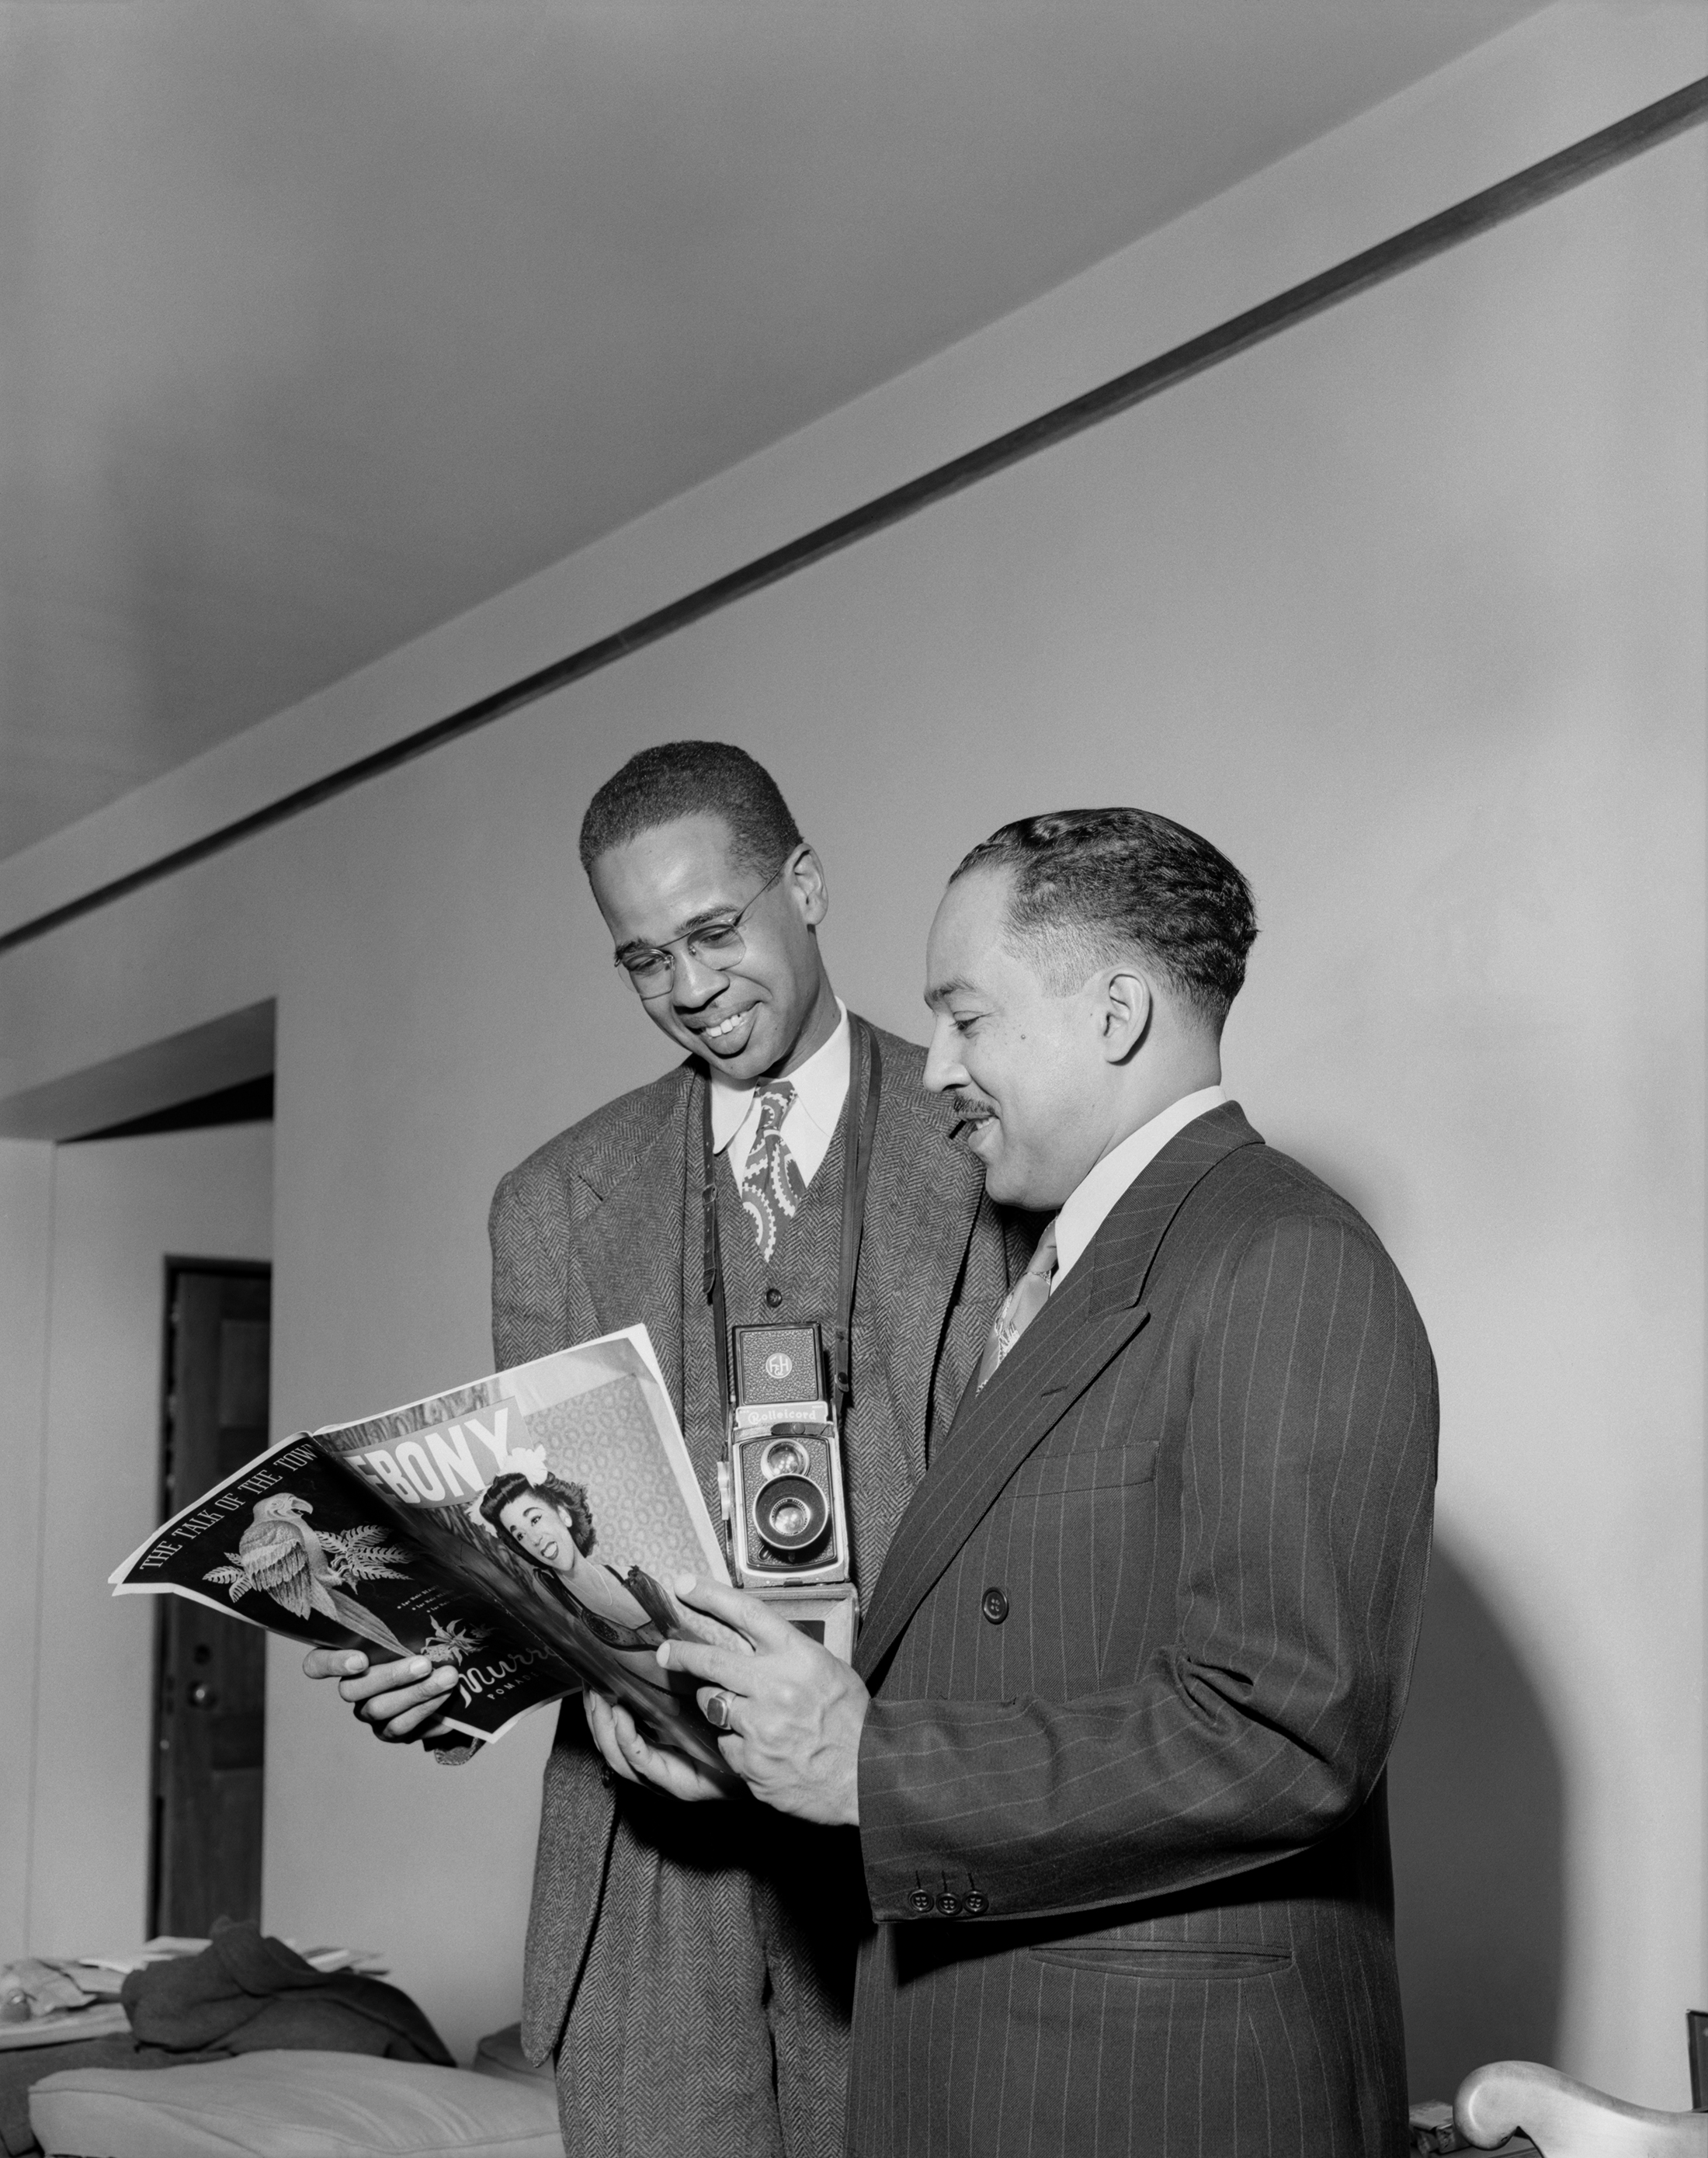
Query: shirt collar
1088	1206
820	1085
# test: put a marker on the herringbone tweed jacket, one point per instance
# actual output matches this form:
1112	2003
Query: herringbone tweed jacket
601	1228
1139	1651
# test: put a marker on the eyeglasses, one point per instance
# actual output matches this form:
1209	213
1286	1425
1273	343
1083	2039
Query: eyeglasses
718	945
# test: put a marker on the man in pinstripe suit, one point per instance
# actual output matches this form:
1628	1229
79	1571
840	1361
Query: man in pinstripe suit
1116	1734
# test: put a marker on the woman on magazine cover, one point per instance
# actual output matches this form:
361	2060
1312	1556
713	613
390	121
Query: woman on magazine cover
549	1523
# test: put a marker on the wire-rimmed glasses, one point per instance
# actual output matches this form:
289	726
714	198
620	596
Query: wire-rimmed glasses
718	945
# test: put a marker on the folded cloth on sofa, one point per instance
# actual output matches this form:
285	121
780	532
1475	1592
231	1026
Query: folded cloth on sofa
245	1994
248	1993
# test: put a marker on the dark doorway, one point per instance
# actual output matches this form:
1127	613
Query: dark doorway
210	1674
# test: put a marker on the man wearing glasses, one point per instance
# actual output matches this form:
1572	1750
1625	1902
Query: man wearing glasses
692	1966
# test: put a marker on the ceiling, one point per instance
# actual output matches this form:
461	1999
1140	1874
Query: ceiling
325	319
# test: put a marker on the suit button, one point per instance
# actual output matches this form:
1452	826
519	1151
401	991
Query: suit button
949	1905
995	1605
773	1296
919	1900
976	1903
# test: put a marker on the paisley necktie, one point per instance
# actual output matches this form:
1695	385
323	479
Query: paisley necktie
1020	1306
772	1184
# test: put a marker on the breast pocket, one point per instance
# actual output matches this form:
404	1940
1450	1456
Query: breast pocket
1106	1469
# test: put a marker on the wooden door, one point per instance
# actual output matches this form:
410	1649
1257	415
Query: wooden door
209	1700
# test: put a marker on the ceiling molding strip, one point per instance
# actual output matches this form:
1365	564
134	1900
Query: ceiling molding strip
1477	213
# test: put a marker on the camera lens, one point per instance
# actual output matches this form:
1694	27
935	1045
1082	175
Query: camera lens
791	1514
784	1457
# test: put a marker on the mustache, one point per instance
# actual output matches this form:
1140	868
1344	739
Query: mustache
971	1113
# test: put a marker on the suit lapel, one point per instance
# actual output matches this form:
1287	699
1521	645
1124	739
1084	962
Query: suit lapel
634	1243
1087	1322
921	1205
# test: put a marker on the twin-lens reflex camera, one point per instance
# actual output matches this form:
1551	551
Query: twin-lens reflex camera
785	1511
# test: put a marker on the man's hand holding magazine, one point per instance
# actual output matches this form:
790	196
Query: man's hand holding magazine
402	1701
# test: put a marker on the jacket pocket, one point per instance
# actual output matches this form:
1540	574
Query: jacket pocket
1180	1960
1108	1469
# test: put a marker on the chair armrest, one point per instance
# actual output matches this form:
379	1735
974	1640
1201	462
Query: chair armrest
1568	2120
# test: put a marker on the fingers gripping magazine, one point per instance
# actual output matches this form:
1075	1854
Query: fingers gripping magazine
520	1529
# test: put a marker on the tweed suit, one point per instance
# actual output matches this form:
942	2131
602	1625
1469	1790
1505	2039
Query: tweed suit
601	1228
1202	1484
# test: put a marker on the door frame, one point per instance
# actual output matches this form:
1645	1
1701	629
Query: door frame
174	1264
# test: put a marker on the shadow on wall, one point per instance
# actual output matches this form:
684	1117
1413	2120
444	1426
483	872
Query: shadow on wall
1476	1802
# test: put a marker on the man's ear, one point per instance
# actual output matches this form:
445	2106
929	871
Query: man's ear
805	878
1124	1013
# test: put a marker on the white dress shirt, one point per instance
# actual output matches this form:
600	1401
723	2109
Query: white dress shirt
820	1089
1088	1206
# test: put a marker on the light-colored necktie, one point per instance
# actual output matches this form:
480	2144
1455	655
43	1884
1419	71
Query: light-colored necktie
1020	1306
772	1184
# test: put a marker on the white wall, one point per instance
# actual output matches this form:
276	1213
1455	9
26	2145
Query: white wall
120	1208
1405	611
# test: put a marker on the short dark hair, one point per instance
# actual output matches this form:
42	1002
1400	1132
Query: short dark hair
692	779
569	1500
1090	884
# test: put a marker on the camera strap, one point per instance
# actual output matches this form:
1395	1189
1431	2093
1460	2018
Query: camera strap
865	1072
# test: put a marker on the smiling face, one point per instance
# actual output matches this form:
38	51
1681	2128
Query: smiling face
541	1530
771	1008
1030	1068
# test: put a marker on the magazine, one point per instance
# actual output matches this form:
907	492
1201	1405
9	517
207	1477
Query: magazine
521	1529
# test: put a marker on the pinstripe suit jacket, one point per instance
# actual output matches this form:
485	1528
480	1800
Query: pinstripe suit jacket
601	1228
1147	1779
